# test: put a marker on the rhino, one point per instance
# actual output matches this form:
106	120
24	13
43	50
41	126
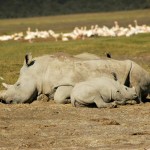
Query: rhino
87	55
48	73
103	91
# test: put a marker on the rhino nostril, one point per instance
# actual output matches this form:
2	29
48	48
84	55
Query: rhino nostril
11	101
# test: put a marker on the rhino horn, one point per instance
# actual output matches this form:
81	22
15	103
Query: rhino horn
6	85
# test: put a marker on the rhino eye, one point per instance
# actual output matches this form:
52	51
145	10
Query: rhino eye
18	84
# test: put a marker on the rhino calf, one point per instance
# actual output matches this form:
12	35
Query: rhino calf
104	92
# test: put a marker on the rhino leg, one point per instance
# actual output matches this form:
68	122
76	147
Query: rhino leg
77	103
101	104
139	98
124	102
120	102
62	94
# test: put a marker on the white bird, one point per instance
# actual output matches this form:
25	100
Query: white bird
54	35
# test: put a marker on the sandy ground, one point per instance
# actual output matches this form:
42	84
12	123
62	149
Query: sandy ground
50	126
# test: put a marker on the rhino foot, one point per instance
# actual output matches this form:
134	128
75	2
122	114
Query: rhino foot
43	98
113	105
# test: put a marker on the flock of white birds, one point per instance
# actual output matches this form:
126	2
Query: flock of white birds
80	33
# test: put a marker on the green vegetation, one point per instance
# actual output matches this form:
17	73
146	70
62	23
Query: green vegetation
29	8
135	47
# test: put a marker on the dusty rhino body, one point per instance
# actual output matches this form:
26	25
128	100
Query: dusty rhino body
43	75
103	91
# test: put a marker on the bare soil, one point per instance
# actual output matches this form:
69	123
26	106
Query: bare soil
51	126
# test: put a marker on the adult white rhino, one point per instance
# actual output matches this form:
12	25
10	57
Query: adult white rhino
46	73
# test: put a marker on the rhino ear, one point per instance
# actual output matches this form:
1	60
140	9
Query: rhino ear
28	59
108	55
115	76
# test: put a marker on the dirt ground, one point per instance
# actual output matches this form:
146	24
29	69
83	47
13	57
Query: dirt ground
50	126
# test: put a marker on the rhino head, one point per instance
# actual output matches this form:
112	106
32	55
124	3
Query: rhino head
24	90
125	93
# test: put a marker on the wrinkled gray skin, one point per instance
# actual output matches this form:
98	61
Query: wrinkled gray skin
46	74
103	91
87	55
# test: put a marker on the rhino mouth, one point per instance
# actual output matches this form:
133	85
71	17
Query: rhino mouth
3	101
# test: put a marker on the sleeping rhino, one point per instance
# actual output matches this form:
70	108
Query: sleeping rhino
48	73
103	91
